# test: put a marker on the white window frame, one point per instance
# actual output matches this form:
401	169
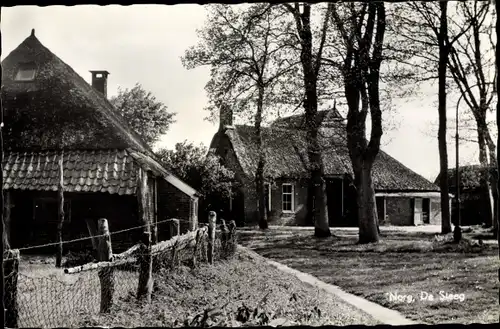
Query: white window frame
293	198
269	203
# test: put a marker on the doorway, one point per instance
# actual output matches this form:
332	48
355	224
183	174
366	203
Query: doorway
335	201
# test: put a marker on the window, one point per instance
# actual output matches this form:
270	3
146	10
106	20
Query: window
26	72
287	198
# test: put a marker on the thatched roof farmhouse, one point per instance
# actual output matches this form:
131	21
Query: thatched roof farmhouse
50	112
403	196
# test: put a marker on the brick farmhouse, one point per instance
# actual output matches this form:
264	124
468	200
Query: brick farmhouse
403	197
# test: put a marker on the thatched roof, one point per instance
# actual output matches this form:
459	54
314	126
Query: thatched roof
58	109
286	153
470	177
111	171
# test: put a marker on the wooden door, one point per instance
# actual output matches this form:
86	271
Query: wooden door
335	202
381	211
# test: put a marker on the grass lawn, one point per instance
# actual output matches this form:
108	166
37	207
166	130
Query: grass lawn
231	289
402	263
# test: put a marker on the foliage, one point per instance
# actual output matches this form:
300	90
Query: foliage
248	57
245	50
200	169
144	113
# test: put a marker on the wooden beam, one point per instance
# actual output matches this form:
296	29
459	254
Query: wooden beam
99	265
127	253
155	212
60	212
142	199
145	285
7	218
183	239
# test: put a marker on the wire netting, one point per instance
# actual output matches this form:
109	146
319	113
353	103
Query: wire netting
48	297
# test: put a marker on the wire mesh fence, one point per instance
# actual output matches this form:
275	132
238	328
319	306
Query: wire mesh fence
55	297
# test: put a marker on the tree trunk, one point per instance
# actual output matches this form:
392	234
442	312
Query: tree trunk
319	212
259	175
60	213
443	152
485	181
368	227
493	175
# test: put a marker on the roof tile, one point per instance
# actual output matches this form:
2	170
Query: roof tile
83	171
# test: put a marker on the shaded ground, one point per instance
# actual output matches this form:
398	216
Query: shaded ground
409	264
229	289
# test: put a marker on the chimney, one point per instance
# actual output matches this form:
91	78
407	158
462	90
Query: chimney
100	81
225	116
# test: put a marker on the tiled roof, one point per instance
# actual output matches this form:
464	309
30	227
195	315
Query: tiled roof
286	153
111	171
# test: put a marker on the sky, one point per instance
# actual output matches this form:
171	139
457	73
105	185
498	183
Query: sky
144	43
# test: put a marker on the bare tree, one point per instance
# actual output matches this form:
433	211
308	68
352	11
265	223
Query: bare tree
247	56
310	60
428	31
472	67
361	28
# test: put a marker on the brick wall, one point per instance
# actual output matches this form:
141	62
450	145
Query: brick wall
278	217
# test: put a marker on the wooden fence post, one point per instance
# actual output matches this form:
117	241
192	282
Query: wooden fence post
232	237
6	219
145	286
212	217
60	212
10	272
196	246
175	228
105	253
175	255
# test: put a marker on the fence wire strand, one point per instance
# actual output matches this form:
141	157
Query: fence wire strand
46	297
86	238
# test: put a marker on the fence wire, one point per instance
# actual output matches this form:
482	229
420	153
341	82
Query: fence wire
47	297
